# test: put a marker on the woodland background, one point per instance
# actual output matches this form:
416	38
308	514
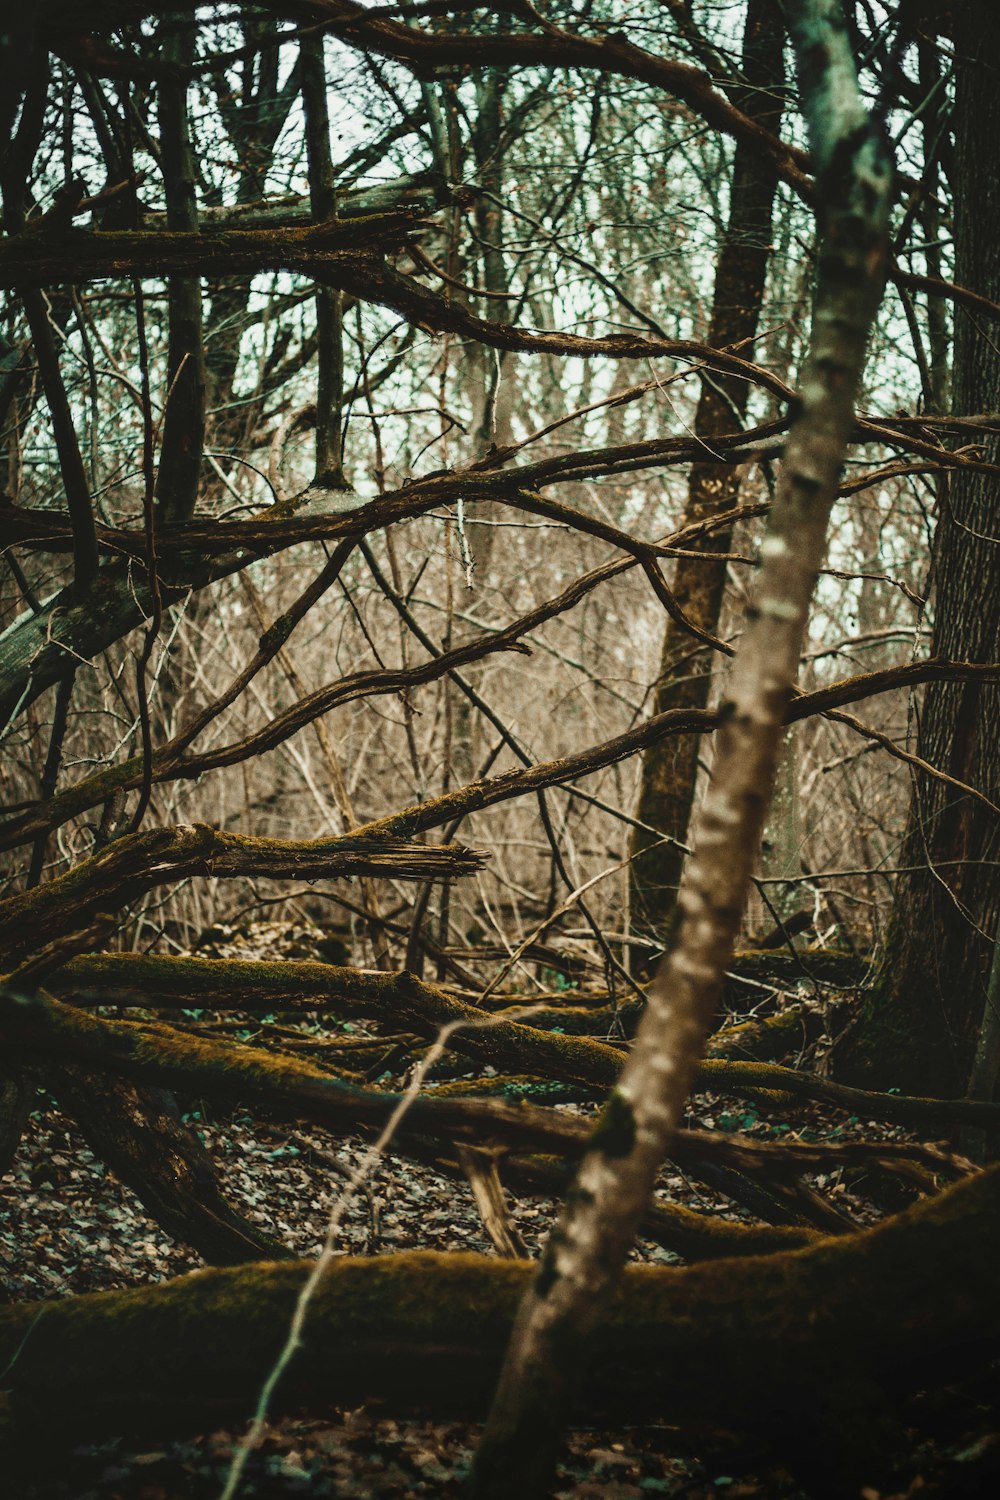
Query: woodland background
391	404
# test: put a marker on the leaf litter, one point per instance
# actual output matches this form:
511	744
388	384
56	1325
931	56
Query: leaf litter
68	1226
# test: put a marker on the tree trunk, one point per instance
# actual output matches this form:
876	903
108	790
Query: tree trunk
179	472
589	1244
919	1025
670	770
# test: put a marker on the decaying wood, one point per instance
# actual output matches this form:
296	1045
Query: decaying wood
757	1344
509	1046
40	1031
137	1132
480	1168
116	875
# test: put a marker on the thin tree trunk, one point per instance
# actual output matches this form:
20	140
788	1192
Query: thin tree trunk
329	303
184	411
15	1098
589	1245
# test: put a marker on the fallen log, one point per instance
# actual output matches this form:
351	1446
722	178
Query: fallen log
694	1236
509	1046
139	862
289	1087
138	1133
36	1029
750	1343
286	1086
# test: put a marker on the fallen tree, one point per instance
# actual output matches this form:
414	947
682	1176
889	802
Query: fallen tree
139	862
405	1000
40	1032
773	1345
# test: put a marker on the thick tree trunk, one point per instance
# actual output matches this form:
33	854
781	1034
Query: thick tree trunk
919	1026
670	769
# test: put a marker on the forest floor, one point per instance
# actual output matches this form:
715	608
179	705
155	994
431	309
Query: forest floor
68	1226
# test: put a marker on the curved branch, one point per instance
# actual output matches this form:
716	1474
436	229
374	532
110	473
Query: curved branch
426	1008
489	791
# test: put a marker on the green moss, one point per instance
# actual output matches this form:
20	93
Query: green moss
548	1273
614	1133
734	1341
515	1088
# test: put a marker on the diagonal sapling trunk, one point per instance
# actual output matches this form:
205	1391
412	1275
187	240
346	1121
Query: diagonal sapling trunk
589	1244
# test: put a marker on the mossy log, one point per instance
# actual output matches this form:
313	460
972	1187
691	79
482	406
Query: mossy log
684	1231
778	966
290	1087
927	1165
36	1028
749	969
695	1236
39	1030
747	1343
139	862
403	999
769	1038
44	259
509	1046
262	987
765	1038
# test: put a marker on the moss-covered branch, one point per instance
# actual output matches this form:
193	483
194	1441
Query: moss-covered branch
291	1087
76	255
747	1343
509	1046
130	866
37	1028
695	1236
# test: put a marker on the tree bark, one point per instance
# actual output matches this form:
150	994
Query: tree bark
139	862
138	1133
589	1245
920	1021
179	471
670	769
